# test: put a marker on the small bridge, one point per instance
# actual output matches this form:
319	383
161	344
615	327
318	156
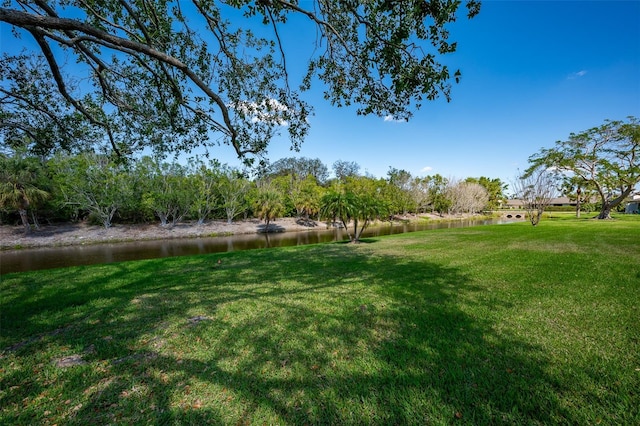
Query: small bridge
514	215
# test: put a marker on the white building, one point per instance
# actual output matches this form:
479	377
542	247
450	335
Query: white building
633	206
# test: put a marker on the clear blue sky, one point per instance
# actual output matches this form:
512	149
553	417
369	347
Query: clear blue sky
533	72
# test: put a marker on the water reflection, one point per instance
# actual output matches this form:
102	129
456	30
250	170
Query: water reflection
57	257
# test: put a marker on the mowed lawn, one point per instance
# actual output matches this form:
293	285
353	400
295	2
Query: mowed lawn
504	324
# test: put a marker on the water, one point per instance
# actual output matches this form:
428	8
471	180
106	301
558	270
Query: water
58	257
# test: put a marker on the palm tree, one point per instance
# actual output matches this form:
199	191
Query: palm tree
269	205
18	190
338	205
369	209
351	208
305	195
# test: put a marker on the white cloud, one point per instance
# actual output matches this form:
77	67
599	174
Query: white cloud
578	74
391	119
426	169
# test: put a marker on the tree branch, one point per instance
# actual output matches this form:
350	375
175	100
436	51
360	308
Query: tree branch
36	107
32	23
284	59
62	88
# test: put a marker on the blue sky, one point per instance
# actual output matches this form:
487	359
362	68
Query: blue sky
533	72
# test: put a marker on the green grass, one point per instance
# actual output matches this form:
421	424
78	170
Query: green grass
504	324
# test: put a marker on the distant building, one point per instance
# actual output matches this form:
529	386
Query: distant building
555	202
633	206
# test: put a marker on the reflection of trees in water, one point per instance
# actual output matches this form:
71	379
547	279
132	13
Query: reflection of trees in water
44	258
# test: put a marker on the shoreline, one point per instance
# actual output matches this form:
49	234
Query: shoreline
72	234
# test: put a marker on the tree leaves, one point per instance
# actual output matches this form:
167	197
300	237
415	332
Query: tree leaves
170	76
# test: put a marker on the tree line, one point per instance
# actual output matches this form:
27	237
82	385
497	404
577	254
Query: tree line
598	164
104	190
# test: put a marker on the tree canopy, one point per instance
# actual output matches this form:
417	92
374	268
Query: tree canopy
299	168
170	75
606	158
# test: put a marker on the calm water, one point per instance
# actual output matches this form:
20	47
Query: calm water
58	257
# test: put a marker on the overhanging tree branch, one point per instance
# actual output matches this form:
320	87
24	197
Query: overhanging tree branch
31	23
57	76
167	86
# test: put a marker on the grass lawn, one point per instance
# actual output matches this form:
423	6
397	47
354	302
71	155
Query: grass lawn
505	324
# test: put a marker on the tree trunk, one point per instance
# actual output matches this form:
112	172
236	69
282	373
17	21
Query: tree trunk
108	217
362	228
34	219
534	218
163	219
607	206
535	215
345	225
355	238
25	220
605	213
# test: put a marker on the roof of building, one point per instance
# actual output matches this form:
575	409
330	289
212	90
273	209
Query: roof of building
554	201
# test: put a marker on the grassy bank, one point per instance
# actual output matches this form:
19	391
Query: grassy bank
488	325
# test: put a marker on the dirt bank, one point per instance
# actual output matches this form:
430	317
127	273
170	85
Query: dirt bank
13	237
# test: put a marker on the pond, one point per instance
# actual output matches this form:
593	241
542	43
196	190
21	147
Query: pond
58	257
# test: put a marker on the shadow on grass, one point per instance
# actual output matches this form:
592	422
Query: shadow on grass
325	334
